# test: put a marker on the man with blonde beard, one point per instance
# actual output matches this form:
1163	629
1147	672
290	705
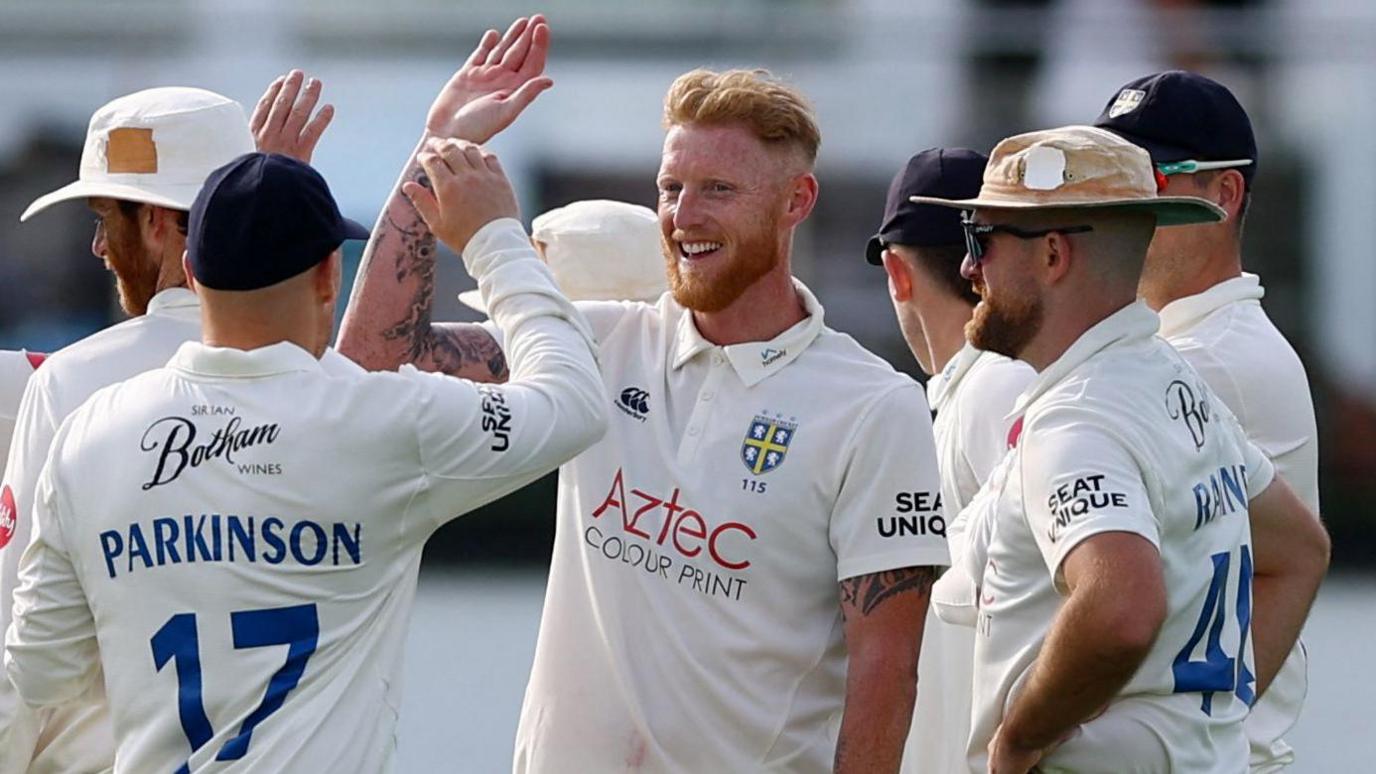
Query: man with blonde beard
742	565
1146	573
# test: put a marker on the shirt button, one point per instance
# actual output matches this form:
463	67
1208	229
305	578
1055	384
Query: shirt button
707	395
718	360
693	430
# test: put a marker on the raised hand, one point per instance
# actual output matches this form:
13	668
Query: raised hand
502	76
282	121
468	190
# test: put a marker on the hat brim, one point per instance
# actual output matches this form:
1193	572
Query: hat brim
473	299
355	230
1169	210
874	250
176	197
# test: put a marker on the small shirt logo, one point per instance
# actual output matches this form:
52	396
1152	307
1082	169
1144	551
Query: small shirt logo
634	402
770	356
766	443
9	516
1128	100
1014	433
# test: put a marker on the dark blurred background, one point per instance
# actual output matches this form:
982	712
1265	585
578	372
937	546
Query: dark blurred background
888	77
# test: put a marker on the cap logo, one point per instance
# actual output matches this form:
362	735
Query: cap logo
131	150
1128	100
1043	168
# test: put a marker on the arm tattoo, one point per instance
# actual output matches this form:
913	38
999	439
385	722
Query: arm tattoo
868	592
450	349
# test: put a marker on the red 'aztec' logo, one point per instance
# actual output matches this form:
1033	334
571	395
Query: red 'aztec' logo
684	528
9	516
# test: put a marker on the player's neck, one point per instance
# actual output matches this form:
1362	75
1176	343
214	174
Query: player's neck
1065	323
1221	266
766	309
943	324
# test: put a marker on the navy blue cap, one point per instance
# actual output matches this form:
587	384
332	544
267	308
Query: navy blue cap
260	219
1179	115
948	173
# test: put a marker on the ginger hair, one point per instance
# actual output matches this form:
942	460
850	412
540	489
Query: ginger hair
775	112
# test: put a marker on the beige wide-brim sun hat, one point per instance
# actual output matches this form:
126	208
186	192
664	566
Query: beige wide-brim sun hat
1078	167
598	250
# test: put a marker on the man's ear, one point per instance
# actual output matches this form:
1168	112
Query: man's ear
900	276
186	269
328	277
1230	188
1058	256
802	197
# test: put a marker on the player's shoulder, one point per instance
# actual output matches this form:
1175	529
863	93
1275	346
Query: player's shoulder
115	350
1241	340
607	317
836	363
996	375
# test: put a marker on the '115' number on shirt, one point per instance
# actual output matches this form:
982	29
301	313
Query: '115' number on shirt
296	627
1219	671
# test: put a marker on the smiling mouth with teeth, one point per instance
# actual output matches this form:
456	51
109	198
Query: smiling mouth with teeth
697	249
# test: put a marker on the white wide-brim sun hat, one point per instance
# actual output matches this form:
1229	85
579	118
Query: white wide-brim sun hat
155	146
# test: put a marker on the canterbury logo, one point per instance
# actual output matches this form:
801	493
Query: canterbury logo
635	402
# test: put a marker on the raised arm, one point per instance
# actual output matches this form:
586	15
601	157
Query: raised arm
388	321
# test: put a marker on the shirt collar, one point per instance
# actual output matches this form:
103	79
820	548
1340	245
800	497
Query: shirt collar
1131	323
942	386
196	358
753	361
173	298
1184	313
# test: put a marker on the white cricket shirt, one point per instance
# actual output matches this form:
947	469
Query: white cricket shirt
1225	334
972	397
1121	435
692	621
246	570
76	737
16	366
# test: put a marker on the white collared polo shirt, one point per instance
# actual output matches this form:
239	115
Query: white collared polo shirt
971	397
236	537
692	620
77	737
1228	338
1121	435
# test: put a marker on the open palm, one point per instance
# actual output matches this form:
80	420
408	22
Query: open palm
500	78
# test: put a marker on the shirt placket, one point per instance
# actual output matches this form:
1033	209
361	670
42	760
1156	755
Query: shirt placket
709	395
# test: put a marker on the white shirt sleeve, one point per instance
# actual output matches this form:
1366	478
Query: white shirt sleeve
33	435
51	654
1080	481
886	515
479	442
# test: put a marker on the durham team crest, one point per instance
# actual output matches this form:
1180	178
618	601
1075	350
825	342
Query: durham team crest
766	443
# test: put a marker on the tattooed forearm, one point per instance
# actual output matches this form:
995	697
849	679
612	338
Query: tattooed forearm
865	593
390	317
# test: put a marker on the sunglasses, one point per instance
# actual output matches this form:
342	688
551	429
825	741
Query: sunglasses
977	234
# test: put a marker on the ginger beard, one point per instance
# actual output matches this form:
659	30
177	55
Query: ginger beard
1006	324
715	284
136	276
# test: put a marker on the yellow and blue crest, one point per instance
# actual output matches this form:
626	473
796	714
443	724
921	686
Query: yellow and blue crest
766	443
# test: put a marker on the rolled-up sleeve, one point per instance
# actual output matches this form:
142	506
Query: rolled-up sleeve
51	654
